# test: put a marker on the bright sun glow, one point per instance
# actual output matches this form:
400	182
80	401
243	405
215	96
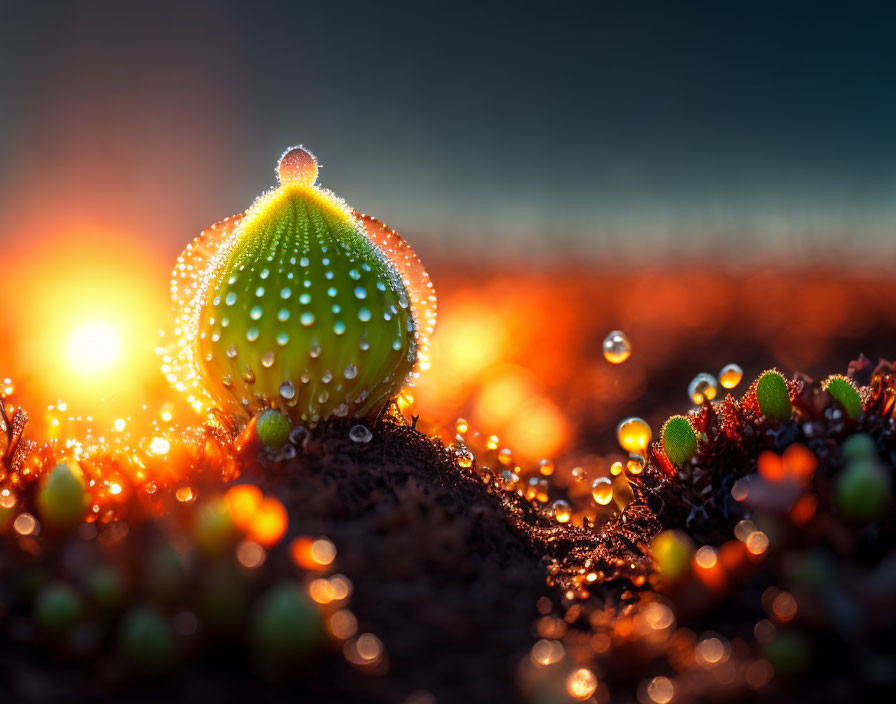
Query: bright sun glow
90	305
93	347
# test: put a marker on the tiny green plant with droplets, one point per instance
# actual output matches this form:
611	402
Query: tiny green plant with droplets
679	440
845	393
300	304
773	397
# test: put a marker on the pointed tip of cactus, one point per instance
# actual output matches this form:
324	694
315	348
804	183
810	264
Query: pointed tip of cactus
845	393
773	396
679	440
298	166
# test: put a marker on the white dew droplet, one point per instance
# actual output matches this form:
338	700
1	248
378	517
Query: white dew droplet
730	376
617	348
287	390
703	387
360	434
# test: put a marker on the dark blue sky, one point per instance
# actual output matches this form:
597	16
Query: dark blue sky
596	124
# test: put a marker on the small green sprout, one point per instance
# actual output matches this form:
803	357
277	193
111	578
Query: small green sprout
146	640
285	624
679	440
863	491
165	573
214	530
105	587
273	428
858	447
845	393
58	607
772	395
672	550
789	653
62	499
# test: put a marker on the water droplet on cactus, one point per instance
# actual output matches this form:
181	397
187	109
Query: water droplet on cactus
730	376
703	387
617	348
562	511
602	490
298	166
633	434
636	463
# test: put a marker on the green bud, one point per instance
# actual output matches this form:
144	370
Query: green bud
62	499
679	440
773	397
789	653
214	530
858	447
222	598
845	393
58	607
285	623
105	587
146	640
165	573
863	491
672	552
273	428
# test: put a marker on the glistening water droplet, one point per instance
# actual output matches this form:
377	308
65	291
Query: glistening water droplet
617	348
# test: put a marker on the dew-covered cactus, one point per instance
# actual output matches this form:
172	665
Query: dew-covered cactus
772	396
300	304
679	440
845	393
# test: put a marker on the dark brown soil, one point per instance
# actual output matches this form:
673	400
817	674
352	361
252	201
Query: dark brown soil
440	573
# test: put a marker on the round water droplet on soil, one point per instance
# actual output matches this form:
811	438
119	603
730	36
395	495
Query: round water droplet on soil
360	434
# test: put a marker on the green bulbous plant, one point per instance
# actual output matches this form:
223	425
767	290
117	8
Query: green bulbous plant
105	587
165	574
147	641
845	393
300	304
285	624
62	498
672	551
773	396
58	607
273	428
858	447
679	440
863	490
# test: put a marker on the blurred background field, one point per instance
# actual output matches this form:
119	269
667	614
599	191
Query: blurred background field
716	180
